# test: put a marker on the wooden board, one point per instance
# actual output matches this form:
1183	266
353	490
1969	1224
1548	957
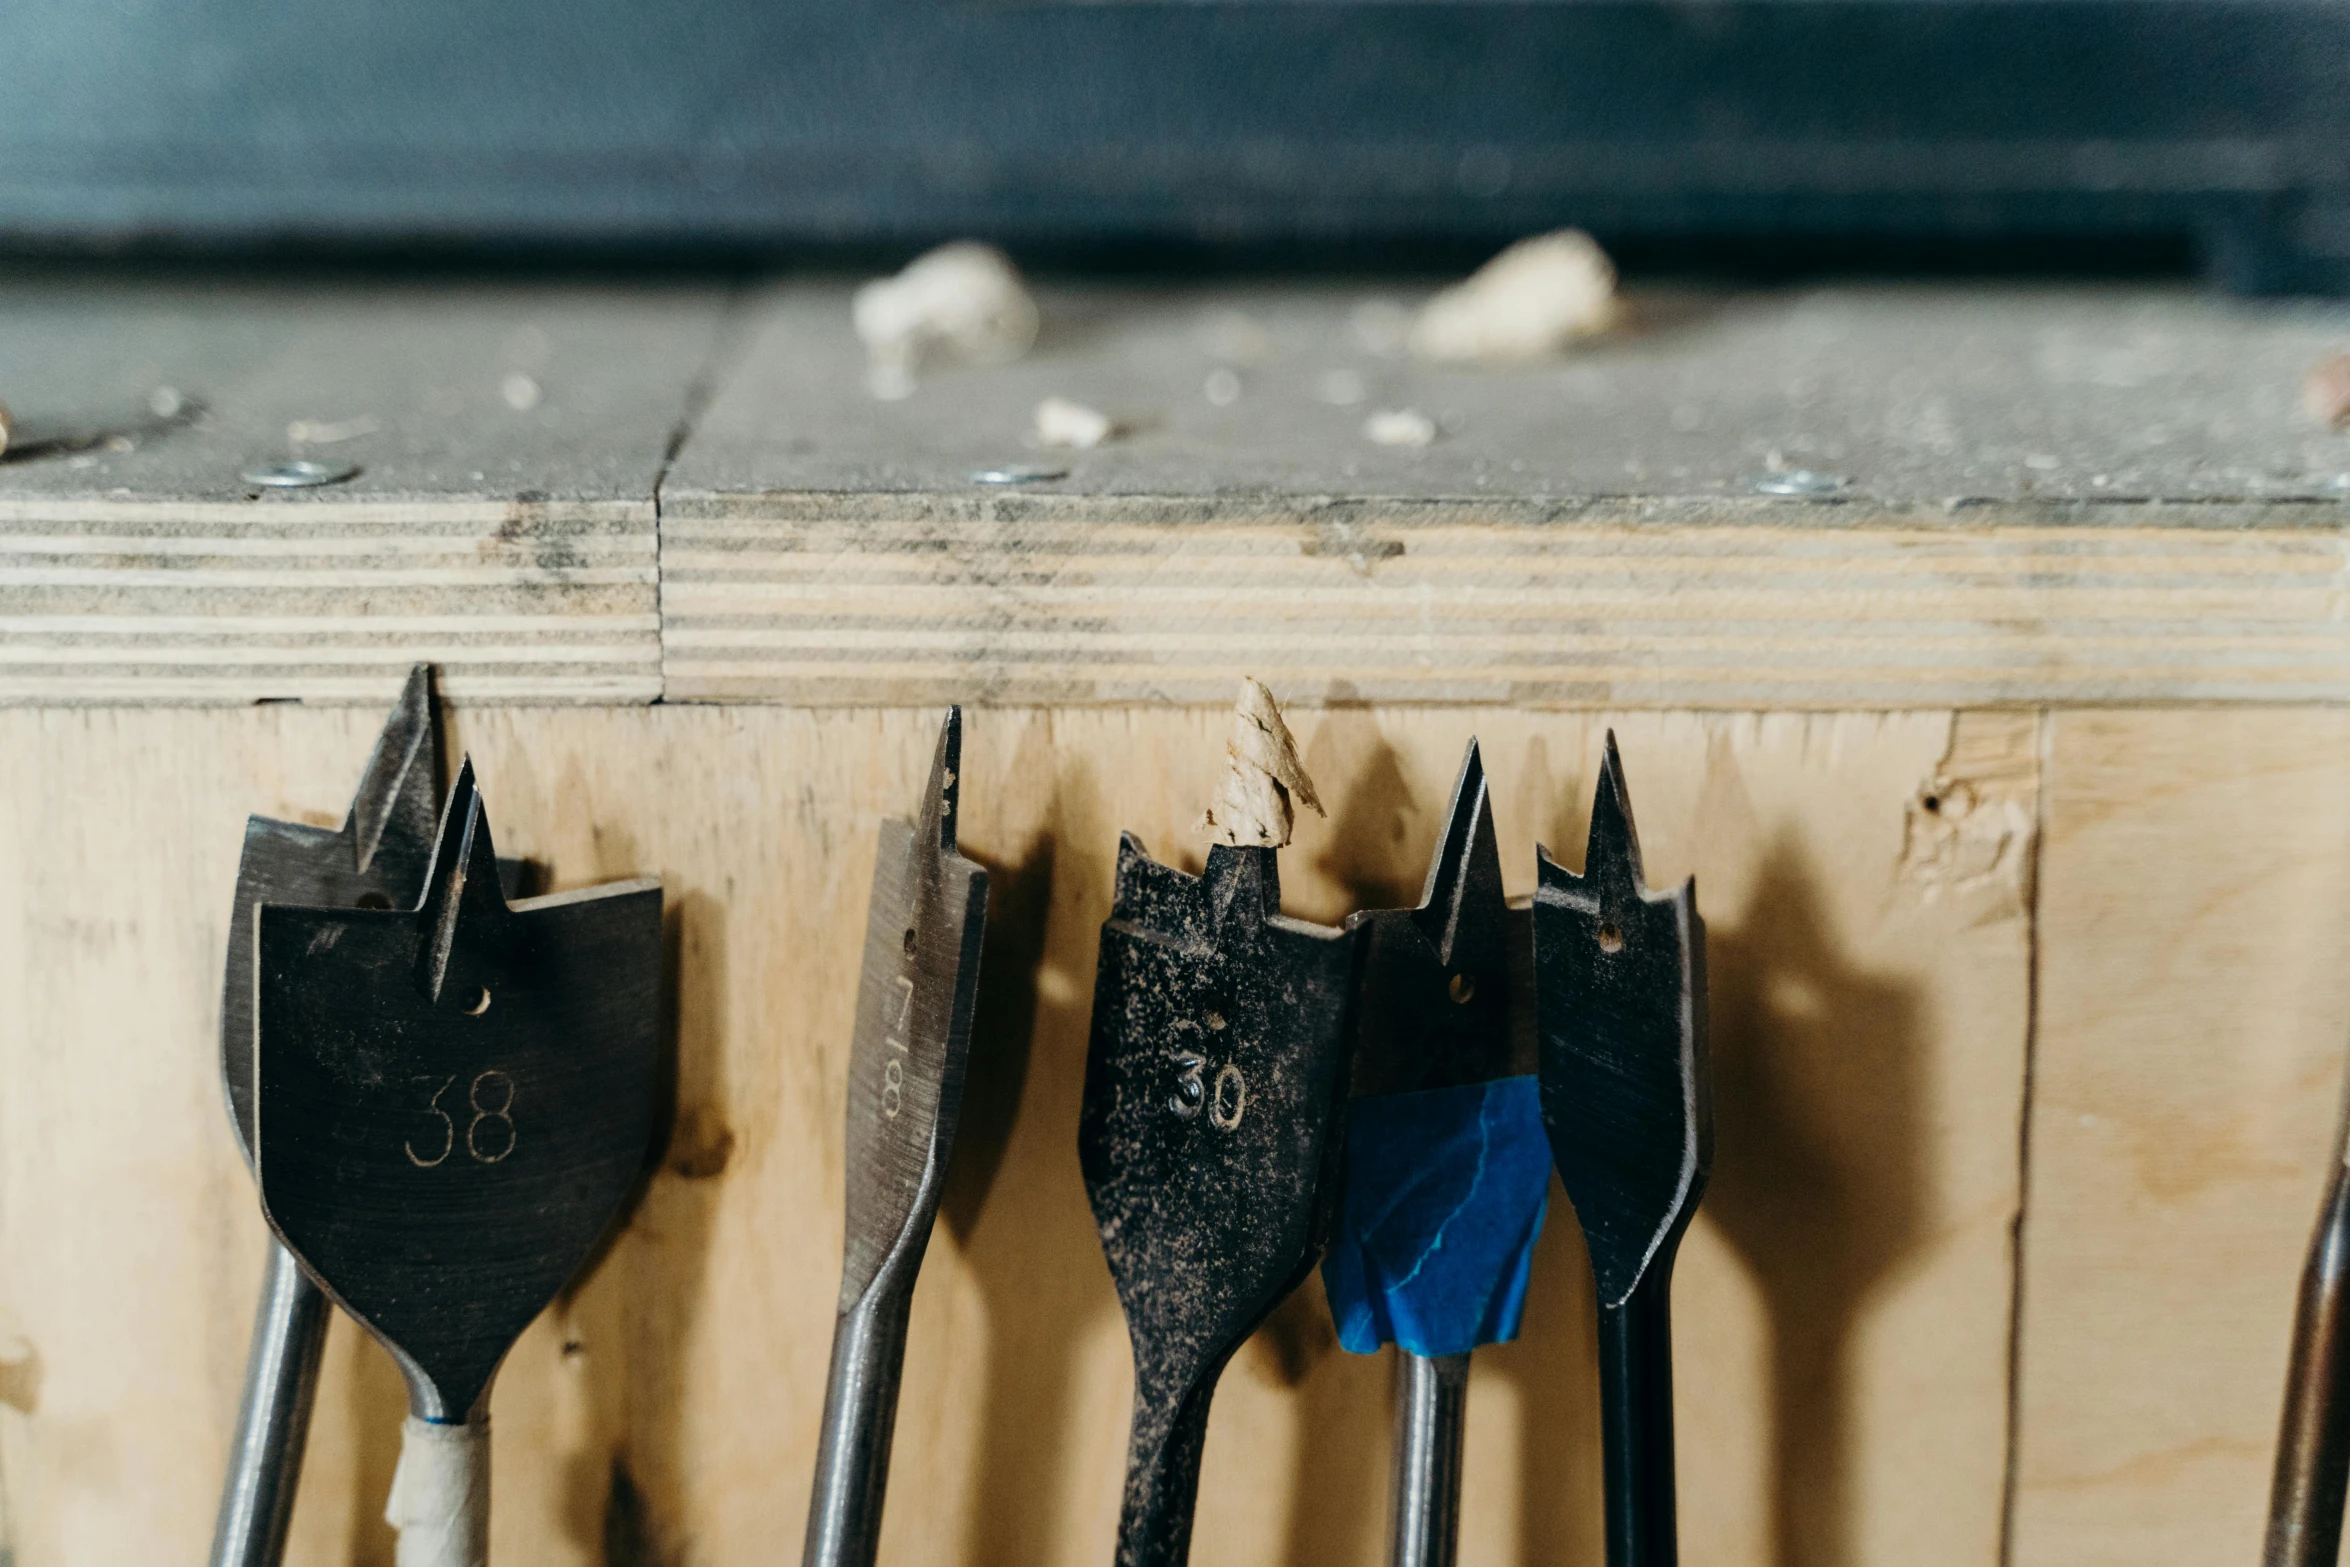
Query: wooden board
1865	879
2187	1075
893	599
2053	496
508	442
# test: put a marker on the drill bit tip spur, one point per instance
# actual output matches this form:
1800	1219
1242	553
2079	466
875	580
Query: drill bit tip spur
448	1093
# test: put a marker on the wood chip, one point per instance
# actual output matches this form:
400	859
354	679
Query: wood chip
1262	775
2325	392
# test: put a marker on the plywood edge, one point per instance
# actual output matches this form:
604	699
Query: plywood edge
1047	599
163	603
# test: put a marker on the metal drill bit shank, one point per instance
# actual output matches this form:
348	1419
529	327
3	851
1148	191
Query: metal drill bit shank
1620	998
2313	1436
923	928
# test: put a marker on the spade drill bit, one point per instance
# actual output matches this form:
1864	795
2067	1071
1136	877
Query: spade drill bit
1620	1011
1214	1082
377	859
922	935
451	1103
2313	1439
1447	1168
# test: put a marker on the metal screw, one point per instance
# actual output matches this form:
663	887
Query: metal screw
1800	481
299	474
1019	473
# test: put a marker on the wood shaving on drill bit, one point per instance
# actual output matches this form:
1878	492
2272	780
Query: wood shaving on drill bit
1527	303
965	299
1063	422
1262	775
1399	427
2325	391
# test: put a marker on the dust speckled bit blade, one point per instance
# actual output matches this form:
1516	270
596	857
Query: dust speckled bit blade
923	930
452	1103
1620	1004
1209	1140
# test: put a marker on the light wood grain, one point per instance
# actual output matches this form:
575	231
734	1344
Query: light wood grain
1870	981
889	599
521	601
2187	1075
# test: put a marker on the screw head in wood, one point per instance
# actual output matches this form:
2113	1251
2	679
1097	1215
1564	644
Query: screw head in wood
301	473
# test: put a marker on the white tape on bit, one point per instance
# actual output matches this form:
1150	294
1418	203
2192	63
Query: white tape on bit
440	1499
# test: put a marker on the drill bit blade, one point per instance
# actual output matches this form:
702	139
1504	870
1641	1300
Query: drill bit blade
1620	1004
395	799
1209	1140
1448	1171
376	859
452	1102
923	929
1438	979
1620	999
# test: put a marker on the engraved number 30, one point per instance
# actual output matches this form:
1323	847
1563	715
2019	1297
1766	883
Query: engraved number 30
1225	1103
489	1136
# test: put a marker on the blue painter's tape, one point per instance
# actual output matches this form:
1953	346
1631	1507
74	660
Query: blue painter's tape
1445	1192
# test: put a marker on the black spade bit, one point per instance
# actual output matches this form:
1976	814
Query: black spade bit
1214	1082
451	1104
922	934
376	859
1620	1017
1448	1169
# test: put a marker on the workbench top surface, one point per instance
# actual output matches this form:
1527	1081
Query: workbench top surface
1913	394
597	493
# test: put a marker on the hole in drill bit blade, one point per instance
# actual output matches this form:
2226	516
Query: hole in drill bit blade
1610	938
372	900
1462	988
909	942
481	1004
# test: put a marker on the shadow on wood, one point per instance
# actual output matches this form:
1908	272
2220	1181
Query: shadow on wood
1014	1202
633	1314
1818	1106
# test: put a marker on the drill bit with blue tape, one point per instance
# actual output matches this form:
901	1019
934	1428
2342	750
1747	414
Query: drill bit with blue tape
1448	1166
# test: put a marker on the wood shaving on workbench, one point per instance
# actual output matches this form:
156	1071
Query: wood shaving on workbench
1262	774
1399	427
2325	391
966	299
1529	302
1063	422
5	427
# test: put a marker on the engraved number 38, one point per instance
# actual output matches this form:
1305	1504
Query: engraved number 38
489	1136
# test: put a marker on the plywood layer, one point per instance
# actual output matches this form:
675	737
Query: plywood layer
2188	1073
1866	880
897	599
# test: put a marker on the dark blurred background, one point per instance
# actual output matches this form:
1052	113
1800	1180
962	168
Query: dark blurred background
1781	135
